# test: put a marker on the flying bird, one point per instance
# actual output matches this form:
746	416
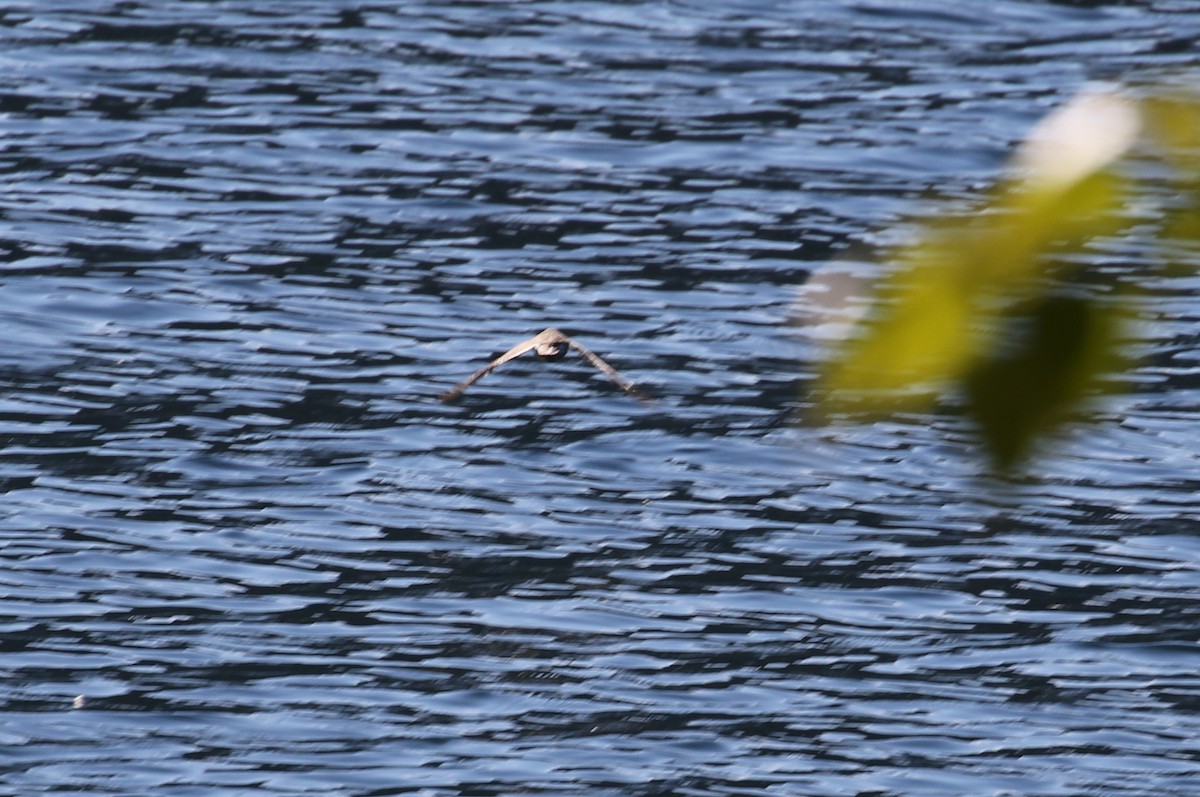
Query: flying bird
549	344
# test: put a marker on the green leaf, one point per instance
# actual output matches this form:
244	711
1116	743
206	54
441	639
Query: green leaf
916	339
1173	122
935	314
1058	348
986	306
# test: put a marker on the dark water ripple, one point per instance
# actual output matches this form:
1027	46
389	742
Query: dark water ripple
245	550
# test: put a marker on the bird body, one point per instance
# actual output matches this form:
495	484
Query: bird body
549	344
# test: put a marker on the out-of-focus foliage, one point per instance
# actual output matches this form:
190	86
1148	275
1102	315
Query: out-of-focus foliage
987	307
1173	121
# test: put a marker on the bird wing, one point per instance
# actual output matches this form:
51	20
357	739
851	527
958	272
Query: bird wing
511	354
608	370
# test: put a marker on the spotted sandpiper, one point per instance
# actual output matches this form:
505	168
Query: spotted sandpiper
549	344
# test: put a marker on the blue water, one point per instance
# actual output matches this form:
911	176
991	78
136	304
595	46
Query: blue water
245	246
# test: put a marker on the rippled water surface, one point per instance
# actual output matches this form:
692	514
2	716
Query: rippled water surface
247	244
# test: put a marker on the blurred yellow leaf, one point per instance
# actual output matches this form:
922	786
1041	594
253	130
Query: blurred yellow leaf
936	312
974	306
1082	137
1060	347
1173	122
918	338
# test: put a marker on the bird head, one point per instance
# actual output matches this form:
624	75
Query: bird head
553	350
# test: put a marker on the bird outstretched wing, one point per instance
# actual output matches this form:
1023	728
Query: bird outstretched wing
608	370
511	354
